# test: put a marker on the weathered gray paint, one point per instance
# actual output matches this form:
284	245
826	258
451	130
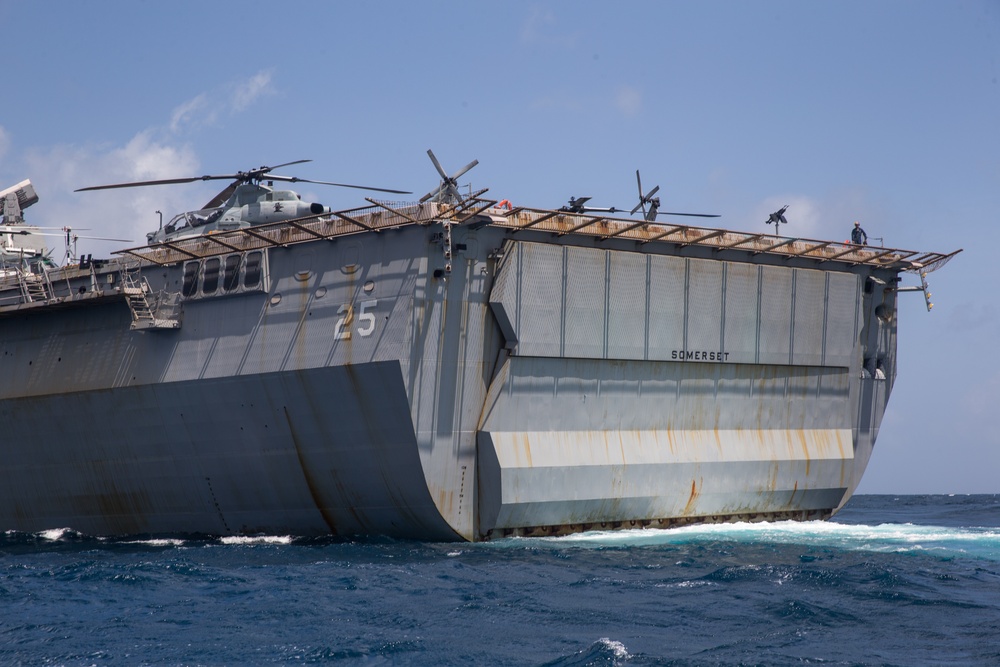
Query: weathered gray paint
531	387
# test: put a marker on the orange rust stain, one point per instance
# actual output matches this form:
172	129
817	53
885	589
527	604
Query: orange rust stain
805	450
522	449
692	498
772	482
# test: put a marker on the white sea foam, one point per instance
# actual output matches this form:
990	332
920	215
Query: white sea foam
162	542
886	538
257	539
56	534
617	649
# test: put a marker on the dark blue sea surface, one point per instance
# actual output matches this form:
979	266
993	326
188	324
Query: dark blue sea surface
892	580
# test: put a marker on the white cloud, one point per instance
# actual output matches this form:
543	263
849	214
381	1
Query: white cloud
152	154
536	23
126	213
628	100
542	27
206	108
190	112
248	92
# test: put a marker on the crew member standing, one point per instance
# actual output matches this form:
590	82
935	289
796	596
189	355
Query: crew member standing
858	235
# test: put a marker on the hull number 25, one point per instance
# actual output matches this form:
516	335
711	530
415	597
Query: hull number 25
363	322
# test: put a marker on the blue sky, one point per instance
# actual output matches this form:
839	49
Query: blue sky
884	112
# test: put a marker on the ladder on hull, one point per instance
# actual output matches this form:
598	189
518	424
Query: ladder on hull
143	303
33	287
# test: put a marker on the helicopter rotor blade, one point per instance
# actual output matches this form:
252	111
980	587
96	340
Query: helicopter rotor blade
692	215
461	172
652	192
247	176
296	179
286	164
437	165
164	181
223	196
430	195
100	238
38	231
17	229
25	232
641	204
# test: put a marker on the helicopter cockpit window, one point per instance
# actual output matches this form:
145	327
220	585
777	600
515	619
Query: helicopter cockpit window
205	216
190	284
231	273
210	282
194	219
251	278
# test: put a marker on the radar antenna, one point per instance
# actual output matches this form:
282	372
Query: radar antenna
778	218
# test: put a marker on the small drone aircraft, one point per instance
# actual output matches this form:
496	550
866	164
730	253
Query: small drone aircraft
244	202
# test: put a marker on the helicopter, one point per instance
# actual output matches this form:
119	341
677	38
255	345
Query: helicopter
577	205
447	192
654	204
245	202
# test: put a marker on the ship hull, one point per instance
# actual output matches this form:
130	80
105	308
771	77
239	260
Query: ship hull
463	384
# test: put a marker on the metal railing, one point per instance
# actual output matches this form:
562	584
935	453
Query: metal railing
482	212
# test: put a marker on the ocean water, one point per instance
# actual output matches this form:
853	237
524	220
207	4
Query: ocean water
892	580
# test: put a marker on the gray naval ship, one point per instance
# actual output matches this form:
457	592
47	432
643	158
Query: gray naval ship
456	368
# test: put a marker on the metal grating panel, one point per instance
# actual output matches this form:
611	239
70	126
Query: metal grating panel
595	303
540	299
843	320
627	321
666	301
586	303
503	294
704	305
775	315
810	316
741	312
